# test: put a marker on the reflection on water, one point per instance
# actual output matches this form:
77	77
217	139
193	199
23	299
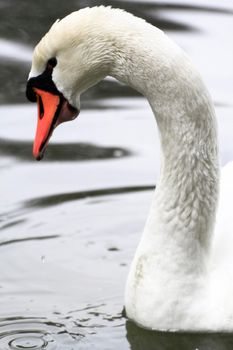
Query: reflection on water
69	227
22	150
141	339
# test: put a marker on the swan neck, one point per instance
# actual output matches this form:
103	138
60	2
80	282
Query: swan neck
187	191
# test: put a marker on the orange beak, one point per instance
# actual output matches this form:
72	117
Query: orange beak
47	104
52	111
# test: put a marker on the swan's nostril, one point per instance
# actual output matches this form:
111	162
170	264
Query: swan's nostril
41	107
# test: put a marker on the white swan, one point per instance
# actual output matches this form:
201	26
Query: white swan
176	280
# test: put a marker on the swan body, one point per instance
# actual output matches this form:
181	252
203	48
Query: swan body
179	262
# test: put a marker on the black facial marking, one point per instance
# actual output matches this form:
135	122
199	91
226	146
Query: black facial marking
43	81
52	62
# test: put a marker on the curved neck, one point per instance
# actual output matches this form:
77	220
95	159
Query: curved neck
185	199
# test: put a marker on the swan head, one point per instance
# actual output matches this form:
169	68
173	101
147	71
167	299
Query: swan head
75	54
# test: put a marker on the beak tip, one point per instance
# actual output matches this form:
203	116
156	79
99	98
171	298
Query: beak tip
40	157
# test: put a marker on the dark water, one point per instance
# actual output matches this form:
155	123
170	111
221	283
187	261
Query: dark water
69	225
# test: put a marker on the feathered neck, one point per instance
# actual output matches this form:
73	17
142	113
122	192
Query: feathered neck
187	191
172	259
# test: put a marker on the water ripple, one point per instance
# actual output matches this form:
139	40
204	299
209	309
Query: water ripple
39	333
27	333
26	239
56	199
10	218
62	332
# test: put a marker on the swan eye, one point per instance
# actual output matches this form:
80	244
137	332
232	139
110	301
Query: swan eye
52	62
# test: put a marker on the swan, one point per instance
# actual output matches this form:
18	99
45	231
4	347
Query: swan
180	277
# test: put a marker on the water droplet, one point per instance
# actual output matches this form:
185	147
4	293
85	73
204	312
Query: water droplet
118	153
113	249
